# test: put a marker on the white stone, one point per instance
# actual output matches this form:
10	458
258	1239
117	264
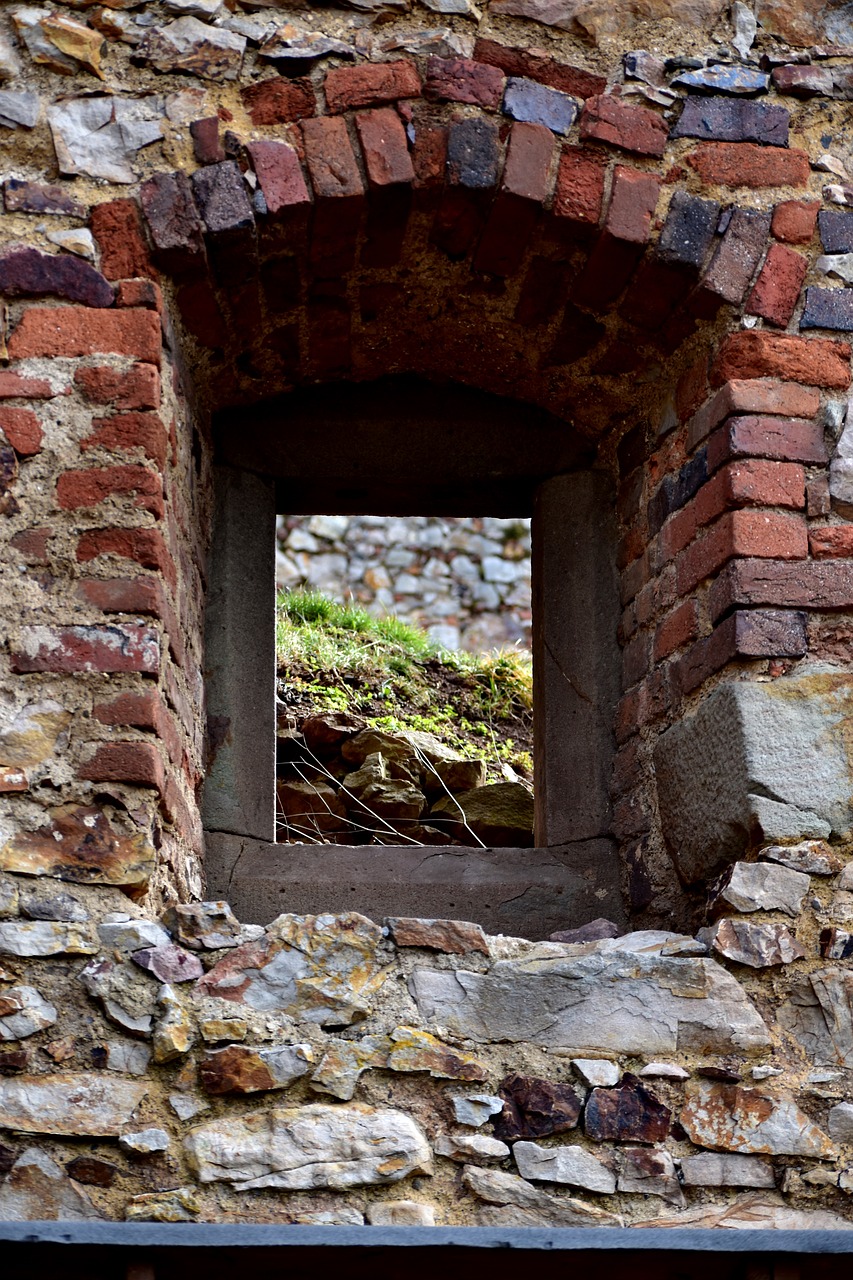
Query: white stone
45	938
820	1017
400	1213
724	1169
597	1072
745	27
130	1059
841	1122
10	63
765	886
145	1141
186	1107
128	936
329	527
572	1165
77	240
99	136
836	264
751	1121
310	1146
476	1108
665	1071
523	1204
192	46
32	1013
496	569
19	108
200	8
463	1147
85	1104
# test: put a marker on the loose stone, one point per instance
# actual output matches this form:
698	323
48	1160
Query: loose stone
195	48
127	936
207	926
812	857
452	936
400	1213
92	1171
145	1142
169	963
574	1166
721	1169
476	1108
127	998
130	1059
37	1188
179	1205
465	1147
23	1012
761	886
841	1122
756	945
733	1118
819	1015
650	1173
45	938
525	1205
597	1071
174	1034
665	1071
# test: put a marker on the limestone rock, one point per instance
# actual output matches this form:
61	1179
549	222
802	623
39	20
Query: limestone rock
406	1049
242	1069
528	1205
476	1147
179	1205
169	963
534	1108
30	734
724	1169
755	1212
206	926
476	1108
131	1058
598	1000
597	1071
194	47
45	938
174	1034
647	1172
628	1113
452	936
400	1213
665	1071
145	1142
841	1123
80	844
819	1016
746	742
19	108
10	63
757	945
9	897
812	857
42	902
37	1188
324	969
23	1012
574	1166
312	1146
290	45
82	1105
500	814
125	936
727	1117
127	998
100	136
763	886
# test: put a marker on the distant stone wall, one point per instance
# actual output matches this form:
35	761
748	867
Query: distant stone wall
466	580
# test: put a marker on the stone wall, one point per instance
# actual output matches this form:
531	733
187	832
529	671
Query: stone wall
633	218
466	581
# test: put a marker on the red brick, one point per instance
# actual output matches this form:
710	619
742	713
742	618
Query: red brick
123	595
23	430
348	87
758	396
279	101
636	660
761	483
606	119
330	158
135	762
143	431
135	388
207	147
745	634
677	629
463	80
82	331
786	439
832	542
384	147
804	584
746	164
146	546
139	293
145	710
631	713
31	544
777	289
201	313
90	487
280	175
794	220
632	203
691	389
117	227
535	64
14	384
764	534
105	648
429	155
817	362
579	193
817	497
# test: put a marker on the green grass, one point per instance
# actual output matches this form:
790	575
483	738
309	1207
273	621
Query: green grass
340	657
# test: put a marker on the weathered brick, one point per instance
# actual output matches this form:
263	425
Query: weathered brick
473	156
135	388
691	389
746	164
26	273
88	488
173	221
371	83
687	232
528	162
764	534
22	429
834	541
817	497
21	196
141	710
542	292
201	312
123	595
676	491
828	309
146	547
31	544
745	634
775	293
330	158
279	101
752	482
759	396
279	175
579	193
112	648
836	230
607	119
82	331
207	147
117	227
806	584
384	147
794	220
737	256
786	439
803	81
535	64
143	431
817	362
220	194
139	293
533	103
676	630
732	120
633	201
524	188
429	156
134	762
463	80
14	385
636	660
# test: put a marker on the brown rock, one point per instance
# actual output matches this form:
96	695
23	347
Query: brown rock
592	932
81	845
500	815
36	197
628	1113
330	729
534	1108
241	1069
310	807
26	273
758	945
453	936
91	1171
728	1117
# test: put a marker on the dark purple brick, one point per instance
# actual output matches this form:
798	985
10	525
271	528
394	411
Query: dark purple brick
26	272
828	309
737	256
533	103
173	220
836	231
688	230
473	154
677	490
733	120
770	633
221	196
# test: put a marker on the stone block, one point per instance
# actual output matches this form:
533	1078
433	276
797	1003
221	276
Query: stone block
828	309
537	104
836	231
732	120
756	763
